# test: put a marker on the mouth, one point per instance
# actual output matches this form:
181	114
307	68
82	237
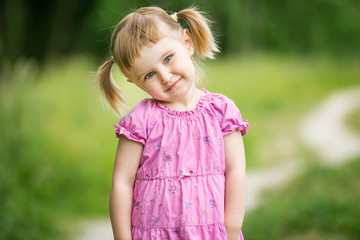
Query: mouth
172	85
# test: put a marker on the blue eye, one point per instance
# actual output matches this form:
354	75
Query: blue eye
167	59
149	75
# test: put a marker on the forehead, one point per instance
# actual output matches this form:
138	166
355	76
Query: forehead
167	38
157	49
149	54
131	47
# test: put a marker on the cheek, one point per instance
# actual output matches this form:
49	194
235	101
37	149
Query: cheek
190	67
186	66
151	87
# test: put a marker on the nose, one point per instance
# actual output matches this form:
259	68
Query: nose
165	76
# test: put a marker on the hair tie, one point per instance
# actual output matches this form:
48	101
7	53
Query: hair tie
113	59
174	17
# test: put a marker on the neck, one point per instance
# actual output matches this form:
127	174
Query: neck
189	102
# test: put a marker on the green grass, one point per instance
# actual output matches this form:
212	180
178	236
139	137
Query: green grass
58	142
322	203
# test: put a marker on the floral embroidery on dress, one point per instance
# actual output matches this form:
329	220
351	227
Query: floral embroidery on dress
167	157
139	207
188	204
181	128
158	218
212	203
175	231
173	188
205	139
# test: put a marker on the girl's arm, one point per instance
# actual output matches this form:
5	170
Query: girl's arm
127	160
235	184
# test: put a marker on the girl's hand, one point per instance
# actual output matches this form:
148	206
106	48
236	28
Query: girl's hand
233	236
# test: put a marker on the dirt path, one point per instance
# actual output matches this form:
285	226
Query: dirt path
99	229
323	130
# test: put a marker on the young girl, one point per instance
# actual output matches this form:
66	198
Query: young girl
179	170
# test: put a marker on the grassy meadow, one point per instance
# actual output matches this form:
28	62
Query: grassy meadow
58	144
322	203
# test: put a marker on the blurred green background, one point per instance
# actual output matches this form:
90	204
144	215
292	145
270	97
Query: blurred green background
279	60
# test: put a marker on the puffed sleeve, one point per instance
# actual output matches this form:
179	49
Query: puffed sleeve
229	116
135	124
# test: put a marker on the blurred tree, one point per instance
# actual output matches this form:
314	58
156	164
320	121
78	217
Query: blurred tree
40	28
278	25
304	26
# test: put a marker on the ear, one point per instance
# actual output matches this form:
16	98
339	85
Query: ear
188	41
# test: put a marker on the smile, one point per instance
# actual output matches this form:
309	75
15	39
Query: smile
172	85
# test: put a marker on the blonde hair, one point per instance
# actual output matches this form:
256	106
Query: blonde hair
139	29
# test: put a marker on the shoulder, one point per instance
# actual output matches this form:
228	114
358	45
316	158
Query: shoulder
143	107
220	102
227	113
142	115
136	124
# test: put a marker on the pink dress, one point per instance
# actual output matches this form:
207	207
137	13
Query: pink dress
180	182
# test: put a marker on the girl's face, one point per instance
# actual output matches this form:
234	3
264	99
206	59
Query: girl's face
165	70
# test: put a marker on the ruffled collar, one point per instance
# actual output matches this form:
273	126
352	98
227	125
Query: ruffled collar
198	107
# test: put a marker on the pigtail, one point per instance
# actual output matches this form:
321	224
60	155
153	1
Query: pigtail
203	38
110	89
